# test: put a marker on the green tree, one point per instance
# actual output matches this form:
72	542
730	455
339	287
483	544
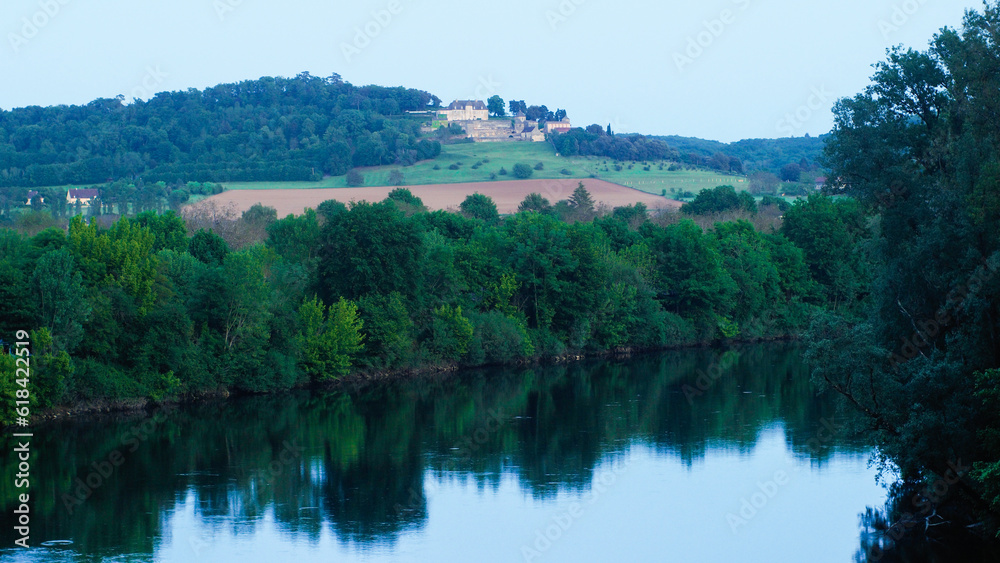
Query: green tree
388	331
718	200
370	249
295	238
581	200
62	303
169	230
451	333
331	338
208	247
917	150
522	171
355	178
496	106
534	202
479	206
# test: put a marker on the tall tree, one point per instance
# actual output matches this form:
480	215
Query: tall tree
496	106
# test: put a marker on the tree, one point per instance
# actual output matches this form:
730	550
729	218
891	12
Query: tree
559	115
479	206
718	200
396	178
534	202
62	303
355	178
330	338
208	247
169	230
791	172
522	171
372	248
764	183
295	238
451	333
581	200
917	151
406	201
496	106
517	106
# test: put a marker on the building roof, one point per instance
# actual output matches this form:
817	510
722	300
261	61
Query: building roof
83	193
462	104
32	193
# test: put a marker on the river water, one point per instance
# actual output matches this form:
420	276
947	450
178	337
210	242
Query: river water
697	455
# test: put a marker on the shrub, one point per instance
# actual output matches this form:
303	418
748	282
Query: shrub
566	172
522	171
503	171
437	167
355	178
540	166
451	333
497	339
453	167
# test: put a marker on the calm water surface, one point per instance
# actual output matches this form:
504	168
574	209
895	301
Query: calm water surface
601	461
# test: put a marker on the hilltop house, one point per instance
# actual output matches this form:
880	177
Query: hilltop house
465	110
558	126
84	196
31	195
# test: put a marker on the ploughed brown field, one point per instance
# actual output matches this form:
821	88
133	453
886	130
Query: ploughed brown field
507	195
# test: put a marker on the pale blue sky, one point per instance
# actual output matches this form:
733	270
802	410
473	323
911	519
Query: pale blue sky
626	62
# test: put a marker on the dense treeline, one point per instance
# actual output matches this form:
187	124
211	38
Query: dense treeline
268	129
918	150
154	307
769	155
596	141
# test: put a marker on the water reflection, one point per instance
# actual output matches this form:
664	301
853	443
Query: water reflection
361	466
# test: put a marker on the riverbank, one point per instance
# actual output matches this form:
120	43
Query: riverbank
362	379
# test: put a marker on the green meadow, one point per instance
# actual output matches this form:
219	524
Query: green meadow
492	157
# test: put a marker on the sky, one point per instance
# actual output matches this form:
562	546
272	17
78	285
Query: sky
717	69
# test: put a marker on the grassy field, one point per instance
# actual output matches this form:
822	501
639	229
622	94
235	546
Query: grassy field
494	156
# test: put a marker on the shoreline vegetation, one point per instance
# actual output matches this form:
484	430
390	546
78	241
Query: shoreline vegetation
356	380
154	307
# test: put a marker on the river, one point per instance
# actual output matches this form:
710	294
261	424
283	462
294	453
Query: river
695	455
